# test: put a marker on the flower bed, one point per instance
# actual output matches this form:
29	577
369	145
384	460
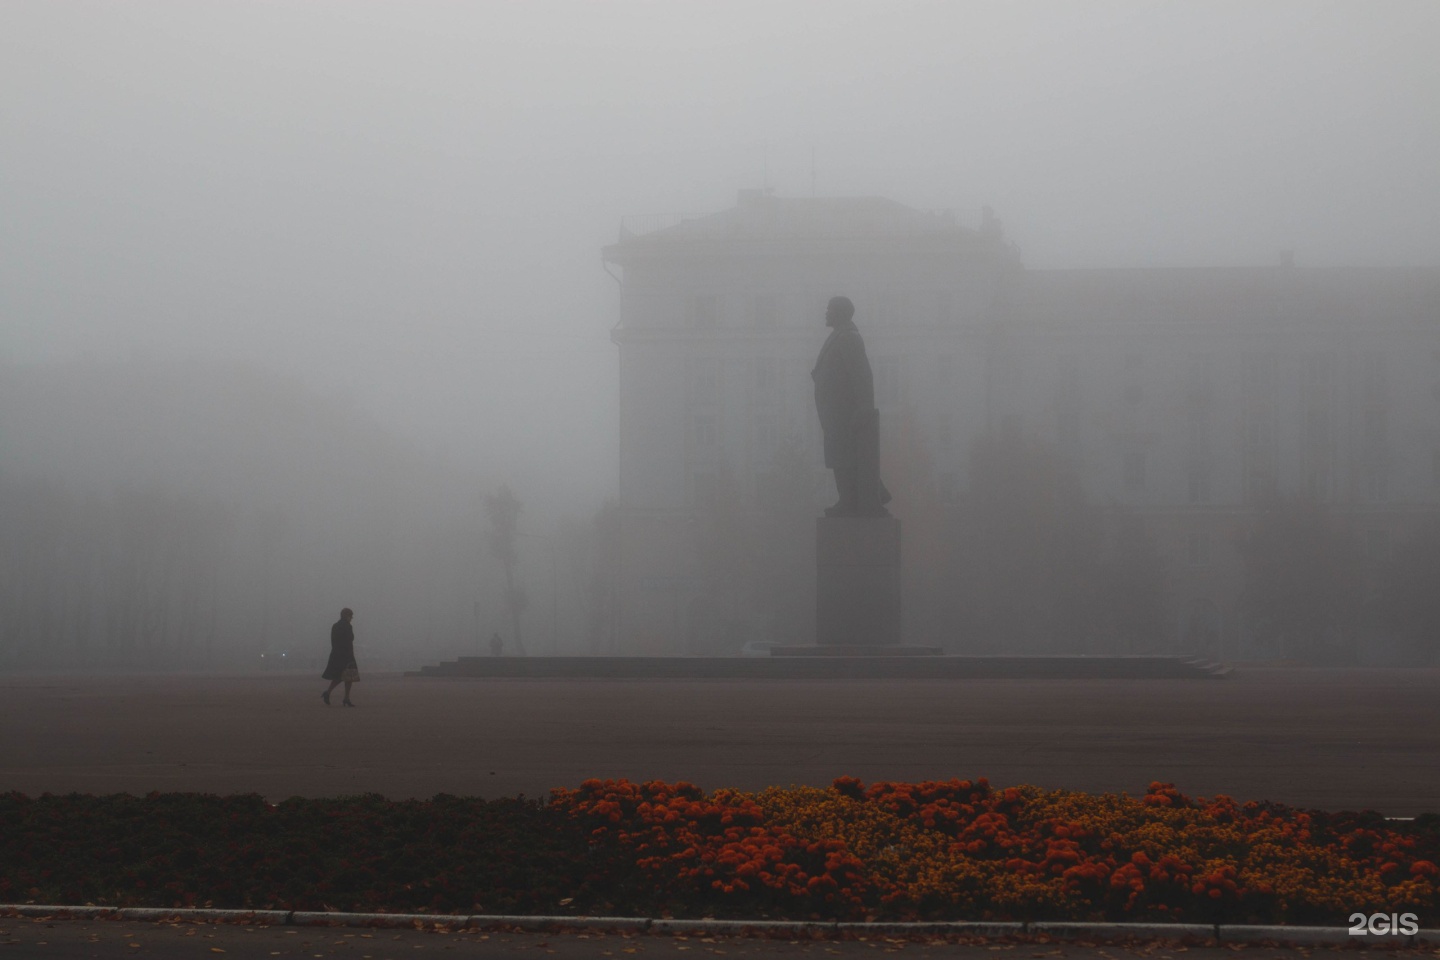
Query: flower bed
953	850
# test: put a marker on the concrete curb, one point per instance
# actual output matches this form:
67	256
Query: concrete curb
804	928
544	924
924	928
529	923
227	916
326	918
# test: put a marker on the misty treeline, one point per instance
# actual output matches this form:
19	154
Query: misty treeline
1020	560
156	515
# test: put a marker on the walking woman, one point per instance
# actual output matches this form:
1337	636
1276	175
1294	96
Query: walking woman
341	668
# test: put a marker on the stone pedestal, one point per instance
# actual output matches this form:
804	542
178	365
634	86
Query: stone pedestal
857	596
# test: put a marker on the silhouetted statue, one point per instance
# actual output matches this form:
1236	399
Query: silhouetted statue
845	400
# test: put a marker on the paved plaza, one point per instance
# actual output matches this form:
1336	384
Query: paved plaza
1319	738
76	939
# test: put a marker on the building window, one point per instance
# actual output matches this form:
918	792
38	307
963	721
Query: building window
1258	452
1318	428
1319	378
767	487
1319	451
1374	384
765	374
764	311
1134	468
1375	429
704	489
1377	545
1377	483
944	306
1067	407
949	486
1257	432
767	437
1134	389
1258	482
1197	548
704	379
945	368
1257	404
705	432
1067	430
1376	455
1202	626
1197	482
1317	486
1374	440
707	311
1197	446
1200	380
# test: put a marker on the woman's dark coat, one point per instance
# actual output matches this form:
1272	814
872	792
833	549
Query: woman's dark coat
342	650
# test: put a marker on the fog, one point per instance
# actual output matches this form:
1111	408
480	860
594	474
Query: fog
324	275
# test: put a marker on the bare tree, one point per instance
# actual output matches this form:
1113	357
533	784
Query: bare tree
502	509
603	586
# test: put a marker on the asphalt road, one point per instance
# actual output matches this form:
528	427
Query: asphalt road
1319	738
107	939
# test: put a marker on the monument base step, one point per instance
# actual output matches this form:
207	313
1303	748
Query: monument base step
866	667
854	650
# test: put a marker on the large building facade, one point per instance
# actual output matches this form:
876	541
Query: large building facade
1181	395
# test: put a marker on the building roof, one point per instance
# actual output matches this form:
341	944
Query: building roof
759	216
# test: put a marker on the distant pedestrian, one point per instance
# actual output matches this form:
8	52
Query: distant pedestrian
342	667
497	646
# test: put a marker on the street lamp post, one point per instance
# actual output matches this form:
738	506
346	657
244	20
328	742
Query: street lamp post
549	539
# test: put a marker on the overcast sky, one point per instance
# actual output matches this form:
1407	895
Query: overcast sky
404	203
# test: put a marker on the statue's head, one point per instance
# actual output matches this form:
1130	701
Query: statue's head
840	310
